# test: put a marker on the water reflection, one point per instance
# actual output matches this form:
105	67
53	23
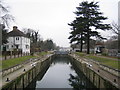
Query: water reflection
60	60
61	74
79	83
76	82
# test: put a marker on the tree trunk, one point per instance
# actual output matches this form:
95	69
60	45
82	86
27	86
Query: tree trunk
88	42
119	42
81	43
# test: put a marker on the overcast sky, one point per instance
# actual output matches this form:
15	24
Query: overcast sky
51	17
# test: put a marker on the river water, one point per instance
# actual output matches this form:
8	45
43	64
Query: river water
61	74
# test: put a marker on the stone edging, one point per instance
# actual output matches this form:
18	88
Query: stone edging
113	71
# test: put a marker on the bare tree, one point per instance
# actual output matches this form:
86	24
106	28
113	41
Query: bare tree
5	17
115	28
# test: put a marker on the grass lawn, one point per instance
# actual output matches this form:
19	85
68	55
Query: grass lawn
11	62
80	54
105	61
43	53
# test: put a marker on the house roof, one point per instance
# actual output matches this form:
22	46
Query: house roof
16	32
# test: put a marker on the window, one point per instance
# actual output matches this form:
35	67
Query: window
27	46
17	38
17	46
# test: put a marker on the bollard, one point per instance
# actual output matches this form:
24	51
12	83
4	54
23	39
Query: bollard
114	80
7	80
24	70
98	71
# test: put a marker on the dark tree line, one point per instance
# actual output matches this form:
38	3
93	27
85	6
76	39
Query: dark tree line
4	34
88	16
37	44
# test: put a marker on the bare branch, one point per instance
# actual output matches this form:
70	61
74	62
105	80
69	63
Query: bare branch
5	17
115	28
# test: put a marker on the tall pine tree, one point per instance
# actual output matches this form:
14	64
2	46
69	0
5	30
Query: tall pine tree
88	15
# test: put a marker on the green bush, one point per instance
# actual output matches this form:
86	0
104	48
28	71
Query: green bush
104	54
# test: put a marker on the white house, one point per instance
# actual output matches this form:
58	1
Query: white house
17	40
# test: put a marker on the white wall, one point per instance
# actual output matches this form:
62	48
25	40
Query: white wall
25	41
22	42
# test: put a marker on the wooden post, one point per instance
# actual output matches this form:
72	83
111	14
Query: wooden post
32	74
35	72
10	55
93	76
28	77
99	82
89	73
23	82
14	54
5	57
15	86
18	54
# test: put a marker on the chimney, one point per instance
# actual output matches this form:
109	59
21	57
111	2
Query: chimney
14	27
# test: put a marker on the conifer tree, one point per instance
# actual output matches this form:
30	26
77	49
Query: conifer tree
88	16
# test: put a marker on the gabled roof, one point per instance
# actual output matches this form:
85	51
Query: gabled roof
16	32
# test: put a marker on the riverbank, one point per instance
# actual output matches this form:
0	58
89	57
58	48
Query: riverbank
91	69
9	63
108	61
94	66
28	66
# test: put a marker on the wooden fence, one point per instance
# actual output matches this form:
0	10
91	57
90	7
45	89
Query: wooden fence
10	56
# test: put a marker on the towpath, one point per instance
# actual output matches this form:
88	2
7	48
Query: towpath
115	80
19	72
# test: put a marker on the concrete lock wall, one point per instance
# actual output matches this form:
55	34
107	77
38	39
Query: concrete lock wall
97	80
25	79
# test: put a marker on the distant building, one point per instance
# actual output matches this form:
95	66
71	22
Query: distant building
17	41
99	47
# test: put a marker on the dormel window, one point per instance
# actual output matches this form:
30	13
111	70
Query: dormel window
17	38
